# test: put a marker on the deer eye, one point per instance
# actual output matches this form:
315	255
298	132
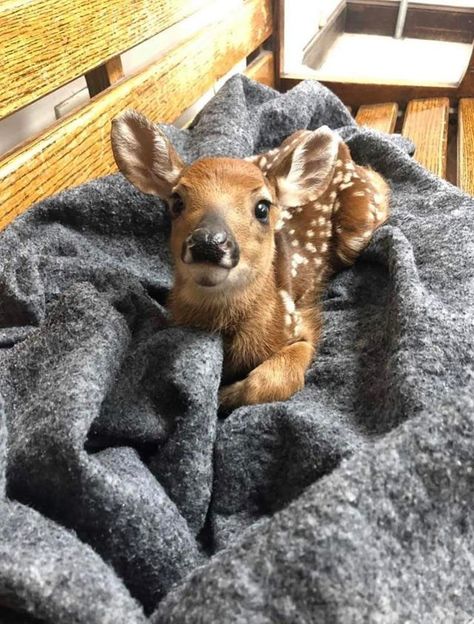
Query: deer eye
176	205
262	209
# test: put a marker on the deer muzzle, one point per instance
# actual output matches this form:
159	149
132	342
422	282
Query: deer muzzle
210	251
211	242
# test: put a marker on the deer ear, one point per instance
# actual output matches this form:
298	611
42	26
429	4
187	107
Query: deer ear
144	154
303	166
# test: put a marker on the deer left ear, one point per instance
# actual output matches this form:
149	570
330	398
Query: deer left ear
303	167
144	154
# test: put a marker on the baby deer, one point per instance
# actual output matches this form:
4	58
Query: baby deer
254	242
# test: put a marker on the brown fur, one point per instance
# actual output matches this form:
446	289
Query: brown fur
324	210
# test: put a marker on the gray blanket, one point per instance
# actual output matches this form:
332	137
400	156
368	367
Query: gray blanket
126	497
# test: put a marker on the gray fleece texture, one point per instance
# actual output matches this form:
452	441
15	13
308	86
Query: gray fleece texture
126	497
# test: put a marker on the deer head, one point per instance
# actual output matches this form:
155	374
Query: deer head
225	212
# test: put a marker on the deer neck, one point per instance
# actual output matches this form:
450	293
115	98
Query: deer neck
229	313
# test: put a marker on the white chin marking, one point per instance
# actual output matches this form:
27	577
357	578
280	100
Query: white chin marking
207	275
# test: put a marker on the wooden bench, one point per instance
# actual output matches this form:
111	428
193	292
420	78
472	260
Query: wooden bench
46	44
426	122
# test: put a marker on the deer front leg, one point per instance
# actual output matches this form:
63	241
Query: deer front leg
276	379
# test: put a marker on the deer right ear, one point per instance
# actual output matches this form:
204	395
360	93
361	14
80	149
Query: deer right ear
302	166
144	154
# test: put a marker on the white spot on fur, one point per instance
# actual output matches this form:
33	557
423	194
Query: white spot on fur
310	233
288	301
359	194
321	221
324	247
298	259
297	326
291	232
345	185
295	242
310	247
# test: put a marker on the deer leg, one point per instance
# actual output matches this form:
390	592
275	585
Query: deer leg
276	379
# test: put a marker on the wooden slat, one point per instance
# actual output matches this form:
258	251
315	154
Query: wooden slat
382	117
426	124
465	177
262	69
46	43
78	147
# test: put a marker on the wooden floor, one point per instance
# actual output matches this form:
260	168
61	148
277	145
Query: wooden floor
442	146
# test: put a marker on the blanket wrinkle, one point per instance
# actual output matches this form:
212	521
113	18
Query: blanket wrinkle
125	496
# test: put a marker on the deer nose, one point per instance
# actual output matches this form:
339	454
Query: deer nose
205	236
212	242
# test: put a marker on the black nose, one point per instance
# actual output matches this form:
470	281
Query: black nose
206	236
212	242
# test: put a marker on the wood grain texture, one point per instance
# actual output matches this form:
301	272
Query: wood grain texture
465	169
262	69
78	147
426	124
47	43
382	117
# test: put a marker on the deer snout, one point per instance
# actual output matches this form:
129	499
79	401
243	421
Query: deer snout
211	242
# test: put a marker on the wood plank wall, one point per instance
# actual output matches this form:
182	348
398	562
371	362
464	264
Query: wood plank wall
77	148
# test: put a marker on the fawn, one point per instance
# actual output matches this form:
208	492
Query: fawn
253	243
